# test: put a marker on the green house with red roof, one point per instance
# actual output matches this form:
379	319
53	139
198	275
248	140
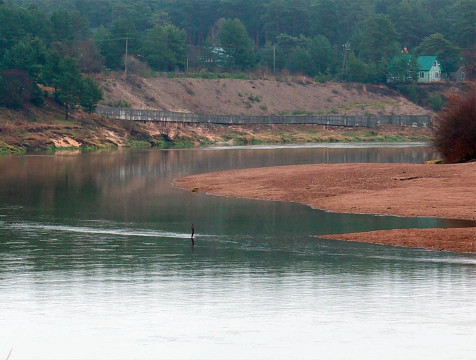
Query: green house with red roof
429	69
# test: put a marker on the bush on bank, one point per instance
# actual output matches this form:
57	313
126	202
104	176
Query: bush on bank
455	129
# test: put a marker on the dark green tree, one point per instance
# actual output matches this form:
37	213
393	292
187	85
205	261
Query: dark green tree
275	13
89	94
412	20
237	45
288	43
328	20
112	43
28	56
300	61
403	68
97	12
378	39
272	56
377	72
294	53
436	44
356	70
68	85
322	54
68	26
164	48
51	70
464	28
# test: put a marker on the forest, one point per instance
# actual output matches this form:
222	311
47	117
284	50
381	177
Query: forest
54	43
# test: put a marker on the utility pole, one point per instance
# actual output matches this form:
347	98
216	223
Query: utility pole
274	59
347	49
125	61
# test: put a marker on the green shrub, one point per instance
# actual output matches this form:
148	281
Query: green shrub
323	78
409	91
254	98
121	104
435	101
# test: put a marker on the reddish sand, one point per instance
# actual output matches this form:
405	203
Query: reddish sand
416	190
453	239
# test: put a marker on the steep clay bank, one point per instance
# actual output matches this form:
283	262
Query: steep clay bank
45	128
445	191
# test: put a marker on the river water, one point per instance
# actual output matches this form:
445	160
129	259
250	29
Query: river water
96	262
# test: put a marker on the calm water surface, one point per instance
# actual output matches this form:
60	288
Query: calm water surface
96	262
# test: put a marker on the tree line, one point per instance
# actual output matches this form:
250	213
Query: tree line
41	53
328	39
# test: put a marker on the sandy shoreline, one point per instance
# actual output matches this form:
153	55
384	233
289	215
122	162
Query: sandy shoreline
452	239
414	190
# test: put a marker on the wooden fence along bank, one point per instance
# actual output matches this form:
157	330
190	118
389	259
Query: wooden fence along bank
329	120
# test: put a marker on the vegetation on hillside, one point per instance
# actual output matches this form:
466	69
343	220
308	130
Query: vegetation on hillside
37	50
304	36
50	50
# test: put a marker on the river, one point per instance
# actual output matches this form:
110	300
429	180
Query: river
96	262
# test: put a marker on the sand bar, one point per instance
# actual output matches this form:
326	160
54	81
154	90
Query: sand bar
413	190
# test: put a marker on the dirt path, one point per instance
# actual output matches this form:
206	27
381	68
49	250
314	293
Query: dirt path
416	190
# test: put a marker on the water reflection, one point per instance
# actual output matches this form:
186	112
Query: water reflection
96	262
133	181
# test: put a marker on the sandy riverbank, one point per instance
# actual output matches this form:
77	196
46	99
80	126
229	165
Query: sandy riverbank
416	190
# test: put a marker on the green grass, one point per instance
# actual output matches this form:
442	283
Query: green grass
10	149
254	98
302	112
139	143
206	142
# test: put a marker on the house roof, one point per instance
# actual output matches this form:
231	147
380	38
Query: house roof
425	62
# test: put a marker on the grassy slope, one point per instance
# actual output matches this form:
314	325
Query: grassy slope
293	96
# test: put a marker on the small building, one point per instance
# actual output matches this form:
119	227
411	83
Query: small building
460	74
429	69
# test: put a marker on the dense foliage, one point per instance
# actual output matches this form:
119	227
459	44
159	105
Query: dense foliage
455	129
37	49
302	36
